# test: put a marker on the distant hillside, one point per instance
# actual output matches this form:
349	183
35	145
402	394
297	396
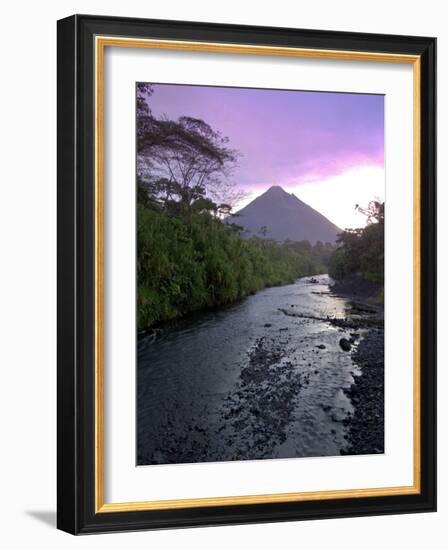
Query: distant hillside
284	217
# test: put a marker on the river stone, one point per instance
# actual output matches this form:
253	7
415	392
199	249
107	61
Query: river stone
345	344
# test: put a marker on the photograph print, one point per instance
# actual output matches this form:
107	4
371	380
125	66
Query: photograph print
260	273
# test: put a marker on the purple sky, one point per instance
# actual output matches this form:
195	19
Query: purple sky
287	138
284	135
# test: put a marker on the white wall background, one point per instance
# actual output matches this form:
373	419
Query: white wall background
28	272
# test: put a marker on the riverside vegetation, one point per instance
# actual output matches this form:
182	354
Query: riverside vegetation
361	251
191	262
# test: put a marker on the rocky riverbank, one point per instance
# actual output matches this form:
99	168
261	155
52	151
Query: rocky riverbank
257	415
365	426
358	288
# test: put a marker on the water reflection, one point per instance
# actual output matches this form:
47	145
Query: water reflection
247	381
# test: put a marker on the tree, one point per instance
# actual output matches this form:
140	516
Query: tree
374	211
361	250
184	160
143	93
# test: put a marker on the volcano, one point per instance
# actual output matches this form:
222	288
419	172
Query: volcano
281	216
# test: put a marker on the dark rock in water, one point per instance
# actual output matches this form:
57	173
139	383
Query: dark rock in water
267	325
321	346
345	344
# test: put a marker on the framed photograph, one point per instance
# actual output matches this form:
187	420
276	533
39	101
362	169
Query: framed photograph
246	274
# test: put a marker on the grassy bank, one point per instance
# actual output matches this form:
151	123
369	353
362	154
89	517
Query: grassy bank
189	263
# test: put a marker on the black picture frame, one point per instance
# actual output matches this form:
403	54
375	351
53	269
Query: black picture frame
76	286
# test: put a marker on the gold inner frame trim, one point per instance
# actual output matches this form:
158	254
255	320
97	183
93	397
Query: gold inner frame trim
101	42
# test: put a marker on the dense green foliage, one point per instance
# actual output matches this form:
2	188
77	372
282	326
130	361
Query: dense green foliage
187	264
361	251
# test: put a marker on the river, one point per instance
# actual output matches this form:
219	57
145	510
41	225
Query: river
249	381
